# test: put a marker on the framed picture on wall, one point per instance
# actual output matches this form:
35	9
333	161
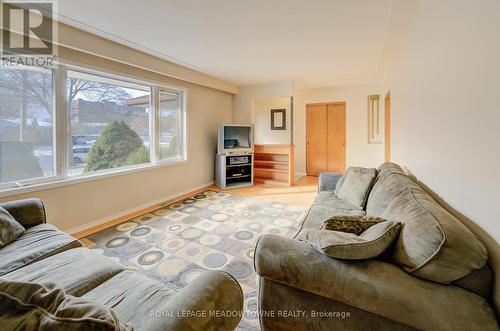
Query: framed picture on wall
278	119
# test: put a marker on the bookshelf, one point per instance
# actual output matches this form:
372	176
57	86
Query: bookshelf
274	163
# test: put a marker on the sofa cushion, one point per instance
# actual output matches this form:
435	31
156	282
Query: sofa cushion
28	212
385	190
10	229
34	244
432	244
479	282
133	297
388	168
326	205
332	202
351	224
317	216
342	245
76	271
32	306
146	304
355	185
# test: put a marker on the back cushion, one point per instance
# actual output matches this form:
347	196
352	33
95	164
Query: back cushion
388	168
10	229
432	244
386	189
355	185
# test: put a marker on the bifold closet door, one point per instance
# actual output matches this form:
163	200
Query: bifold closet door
326	138
316	139
336	120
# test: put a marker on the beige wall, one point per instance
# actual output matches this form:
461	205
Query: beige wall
262	121
445	89
358	151
243	100
78	204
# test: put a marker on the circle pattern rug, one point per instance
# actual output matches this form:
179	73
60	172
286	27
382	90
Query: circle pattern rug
211	230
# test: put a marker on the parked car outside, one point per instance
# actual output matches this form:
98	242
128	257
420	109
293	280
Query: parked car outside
80	154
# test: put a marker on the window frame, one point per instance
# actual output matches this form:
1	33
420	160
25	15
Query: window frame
182	125
62	136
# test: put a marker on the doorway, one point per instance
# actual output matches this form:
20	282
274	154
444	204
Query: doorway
325	137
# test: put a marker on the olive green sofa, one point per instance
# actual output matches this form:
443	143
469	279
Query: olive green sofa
433	277
49	262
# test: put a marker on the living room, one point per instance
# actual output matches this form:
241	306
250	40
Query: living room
283	165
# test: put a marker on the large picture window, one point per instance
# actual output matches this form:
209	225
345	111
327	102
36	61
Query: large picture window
107	124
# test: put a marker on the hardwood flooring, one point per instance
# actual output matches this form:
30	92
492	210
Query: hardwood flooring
302	193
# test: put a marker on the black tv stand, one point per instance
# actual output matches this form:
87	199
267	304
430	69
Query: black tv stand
234	170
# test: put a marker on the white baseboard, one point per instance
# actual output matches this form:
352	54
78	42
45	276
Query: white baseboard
135	209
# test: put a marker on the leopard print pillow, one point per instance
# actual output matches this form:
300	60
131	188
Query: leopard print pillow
351	224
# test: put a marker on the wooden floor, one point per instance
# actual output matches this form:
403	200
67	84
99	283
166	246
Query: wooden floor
302	193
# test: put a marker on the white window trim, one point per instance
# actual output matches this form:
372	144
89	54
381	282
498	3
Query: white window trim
61	135
182	124
60	130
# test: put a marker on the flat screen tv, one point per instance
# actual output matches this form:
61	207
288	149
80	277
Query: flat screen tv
234	138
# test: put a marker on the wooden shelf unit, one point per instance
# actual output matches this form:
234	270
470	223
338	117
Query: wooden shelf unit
274	163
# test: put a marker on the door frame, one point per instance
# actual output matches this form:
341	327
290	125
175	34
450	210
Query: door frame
345	124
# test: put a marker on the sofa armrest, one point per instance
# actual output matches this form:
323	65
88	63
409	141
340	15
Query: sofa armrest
28	212
328	181
213	301
374	286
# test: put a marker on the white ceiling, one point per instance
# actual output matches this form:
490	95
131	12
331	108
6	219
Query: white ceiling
324	42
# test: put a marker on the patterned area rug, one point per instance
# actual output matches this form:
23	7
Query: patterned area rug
211	230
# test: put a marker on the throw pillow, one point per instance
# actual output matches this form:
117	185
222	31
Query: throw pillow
10	229
33	306
342	245
356	185
356	224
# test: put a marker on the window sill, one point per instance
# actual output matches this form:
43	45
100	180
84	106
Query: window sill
59	182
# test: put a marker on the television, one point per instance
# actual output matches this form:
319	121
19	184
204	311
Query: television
234	138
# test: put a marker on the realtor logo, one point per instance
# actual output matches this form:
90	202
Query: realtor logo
27	28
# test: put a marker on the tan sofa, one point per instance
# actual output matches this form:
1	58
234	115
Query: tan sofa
434	277
45	264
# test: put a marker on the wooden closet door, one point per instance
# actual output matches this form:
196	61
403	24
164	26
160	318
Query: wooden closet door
316	139
336	136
